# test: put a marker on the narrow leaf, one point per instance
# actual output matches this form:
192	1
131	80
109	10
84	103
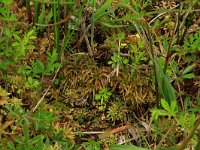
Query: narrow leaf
188	76
101	10
188	69
18	139
126	147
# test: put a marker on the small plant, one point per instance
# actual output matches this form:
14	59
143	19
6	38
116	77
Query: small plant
137	55
5	11
127	32
13	45
36	130
175	118
52	63
6	34
92	145
116	111
192	44
38	69
180	74
31	83
169	110
134	57
191	48
21	45
26	142
102	97
117	59
35	70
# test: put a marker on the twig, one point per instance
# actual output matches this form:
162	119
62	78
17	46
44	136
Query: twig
83	28
129	140
124	54
84	31
117	67
90	51
82	37
114	131
111	74
163	138
57	23
161	15
90	132
42	98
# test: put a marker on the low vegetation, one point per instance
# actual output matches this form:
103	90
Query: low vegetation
91	75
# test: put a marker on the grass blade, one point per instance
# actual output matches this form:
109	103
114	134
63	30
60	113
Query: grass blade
101	11
164	85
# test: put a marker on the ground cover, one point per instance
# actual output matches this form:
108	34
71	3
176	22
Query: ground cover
114	74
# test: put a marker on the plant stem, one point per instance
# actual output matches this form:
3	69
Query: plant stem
179	20
92	25
56	17
154	65
36	11
28	10
164	137
189	136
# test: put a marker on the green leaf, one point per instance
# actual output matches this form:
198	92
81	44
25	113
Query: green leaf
195	109
187	101
107	24
36	125
10	18
97	96
27	122
188	76
110	62
164	85
5	63
165	105
129	17
173	106
8	107
17	139
125	61
17	37
11	145
35	139
188	69
30	47
154	115
26	130
7	2
30	33
126	147
121	36
8	32
182	119
48	17
30	80
101	11
15	44
170	148
191	119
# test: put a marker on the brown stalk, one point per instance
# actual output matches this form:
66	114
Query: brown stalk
113	131
57	23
